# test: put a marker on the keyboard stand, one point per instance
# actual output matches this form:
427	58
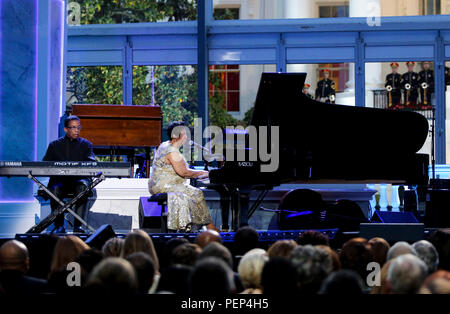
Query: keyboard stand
47	221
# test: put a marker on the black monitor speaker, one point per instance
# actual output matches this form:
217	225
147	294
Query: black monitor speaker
100	236
437	213
394	217
393	232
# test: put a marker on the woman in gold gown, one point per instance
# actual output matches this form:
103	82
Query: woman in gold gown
186	205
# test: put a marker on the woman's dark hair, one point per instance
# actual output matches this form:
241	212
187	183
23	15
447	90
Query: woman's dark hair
343	281
70	118
173	128
279	277
210	278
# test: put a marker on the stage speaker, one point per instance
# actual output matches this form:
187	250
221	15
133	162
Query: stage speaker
394	217
392	232
411	205
300	209
437	213
100	236
345	215
150	215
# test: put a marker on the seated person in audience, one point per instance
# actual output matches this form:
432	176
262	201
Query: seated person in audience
113	247
428	254
400	248
41	254
87	260
14	264
211	276
281	248
356	255
186	205
441	241
250	269
383	287
379	248
343	282
436	283
313	265
406	274
186	254
67	250
206	237
334	256
175	279
145	270
218	250
245	239
168	249
113	276
313	237
279	277
140	241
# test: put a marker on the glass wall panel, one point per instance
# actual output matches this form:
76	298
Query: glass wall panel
293	9
232	92
407	86
173	87
93	85
327	82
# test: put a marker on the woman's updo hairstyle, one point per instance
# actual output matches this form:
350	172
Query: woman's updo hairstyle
174	129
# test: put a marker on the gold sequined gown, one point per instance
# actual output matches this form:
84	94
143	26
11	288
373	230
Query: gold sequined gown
186	204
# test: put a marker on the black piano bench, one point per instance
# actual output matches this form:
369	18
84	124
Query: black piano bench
161	199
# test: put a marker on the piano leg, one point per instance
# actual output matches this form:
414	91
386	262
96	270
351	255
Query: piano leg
235	196
240	199
244	201
224	206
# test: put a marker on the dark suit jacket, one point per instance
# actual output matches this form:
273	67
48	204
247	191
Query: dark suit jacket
15	282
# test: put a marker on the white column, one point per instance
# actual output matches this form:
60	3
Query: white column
445	6
294	9
363	8
383	197
395	203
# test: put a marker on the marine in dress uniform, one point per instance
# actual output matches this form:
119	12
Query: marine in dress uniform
426	85
325	91
306	88
447	76
394	87
410	79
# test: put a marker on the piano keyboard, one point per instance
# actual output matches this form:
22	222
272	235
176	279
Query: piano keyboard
64	168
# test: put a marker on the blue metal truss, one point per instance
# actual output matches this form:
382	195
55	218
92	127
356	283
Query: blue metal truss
279	42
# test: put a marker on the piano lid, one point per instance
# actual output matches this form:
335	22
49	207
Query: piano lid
327	141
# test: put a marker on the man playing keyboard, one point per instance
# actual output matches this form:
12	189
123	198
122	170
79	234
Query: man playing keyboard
70	147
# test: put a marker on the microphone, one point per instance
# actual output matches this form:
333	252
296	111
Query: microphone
192	143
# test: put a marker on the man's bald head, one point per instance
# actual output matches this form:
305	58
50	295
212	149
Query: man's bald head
208	236
14	256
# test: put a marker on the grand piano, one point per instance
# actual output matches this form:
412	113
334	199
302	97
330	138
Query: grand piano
327	143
